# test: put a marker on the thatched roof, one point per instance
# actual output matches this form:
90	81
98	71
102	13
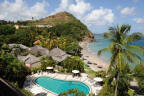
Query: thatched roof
19	45
30	59
58	54
41	50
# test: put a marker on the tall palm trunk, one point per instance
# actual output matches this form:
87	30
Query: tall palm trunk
117	79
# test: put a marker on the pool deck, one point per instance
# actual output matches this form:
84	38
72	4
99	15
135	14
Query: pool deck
31	86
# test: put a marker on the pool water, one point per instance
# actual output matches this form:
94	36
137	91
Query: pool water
59	86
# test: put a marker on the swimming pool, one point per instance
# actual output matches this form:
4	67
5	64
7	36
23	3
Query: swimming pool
58	86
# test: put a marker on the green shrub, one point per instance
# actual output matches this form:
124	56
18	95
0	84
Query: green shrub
100	74
131	92
7	30
139	74
27	93
63	70
73	63
35	69
106	91
74	92
47	61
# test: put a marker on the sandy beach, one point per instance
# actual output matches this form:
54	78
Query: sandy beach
97	63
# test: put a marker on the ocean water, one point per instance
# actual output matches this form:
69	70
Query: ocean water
101	43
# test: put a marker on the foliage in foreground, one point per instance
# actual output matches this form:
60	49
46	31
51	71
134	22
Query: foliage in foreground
123	53
74	92
139	74
27	93
100	74
12	69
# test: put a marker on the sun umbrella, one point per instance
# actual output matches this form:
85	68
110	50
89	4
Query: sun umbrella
49	67
98	79
75	71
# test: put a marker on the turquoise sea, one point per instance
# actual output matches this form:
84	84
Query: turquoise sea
102	43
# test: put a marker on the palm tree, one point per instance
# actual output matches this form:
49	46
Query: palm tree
123	52
48	42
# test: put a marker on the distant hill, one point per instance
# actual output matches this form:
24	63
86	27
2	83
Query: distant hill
64	18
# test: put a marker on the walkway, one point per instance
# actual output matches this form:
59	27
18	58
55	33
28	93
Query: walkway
36	89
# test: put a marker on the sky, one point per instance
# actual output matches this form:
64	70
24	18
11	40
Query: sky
98	15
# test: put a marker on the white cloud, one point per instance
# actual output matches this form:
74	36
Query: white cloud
139	20
100	17
80	8
83	11
128	11
63	6
76	7
19	10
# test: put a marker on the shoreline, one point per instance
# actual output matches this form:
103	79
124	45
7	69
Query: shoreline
97	64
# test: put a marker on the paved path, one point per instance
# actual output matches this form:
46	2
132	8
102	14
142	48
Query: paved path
36	89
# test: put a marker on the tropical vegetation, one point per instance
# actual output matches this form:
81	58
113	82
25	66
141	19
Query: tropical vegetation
139	74
74	92
12	69
124	54
73	63
64	34
47	61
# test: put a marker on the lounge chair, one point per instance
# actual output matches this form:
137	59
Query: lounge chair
38	72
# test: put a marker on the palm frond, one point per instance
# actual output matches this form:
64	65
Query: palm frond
133	37
103	50
110	36
125	28
136	49
133	57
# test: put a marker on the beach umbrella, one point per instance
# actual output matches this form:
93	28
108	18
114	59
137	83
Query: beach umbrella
75	71
49	67
98	79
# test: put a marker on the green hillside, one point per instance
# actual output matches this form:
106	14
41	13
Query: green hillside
65	22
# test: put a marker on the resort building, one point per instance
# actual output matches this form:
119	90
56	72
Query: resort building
32	60
42	26
39	50
58	54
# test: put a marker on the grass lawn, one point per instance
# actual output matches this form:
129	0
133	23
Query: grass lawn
90	72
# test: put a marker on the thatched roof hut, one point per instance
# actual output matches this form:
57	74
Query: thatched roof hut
30	59
19	45
58	54
42	51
